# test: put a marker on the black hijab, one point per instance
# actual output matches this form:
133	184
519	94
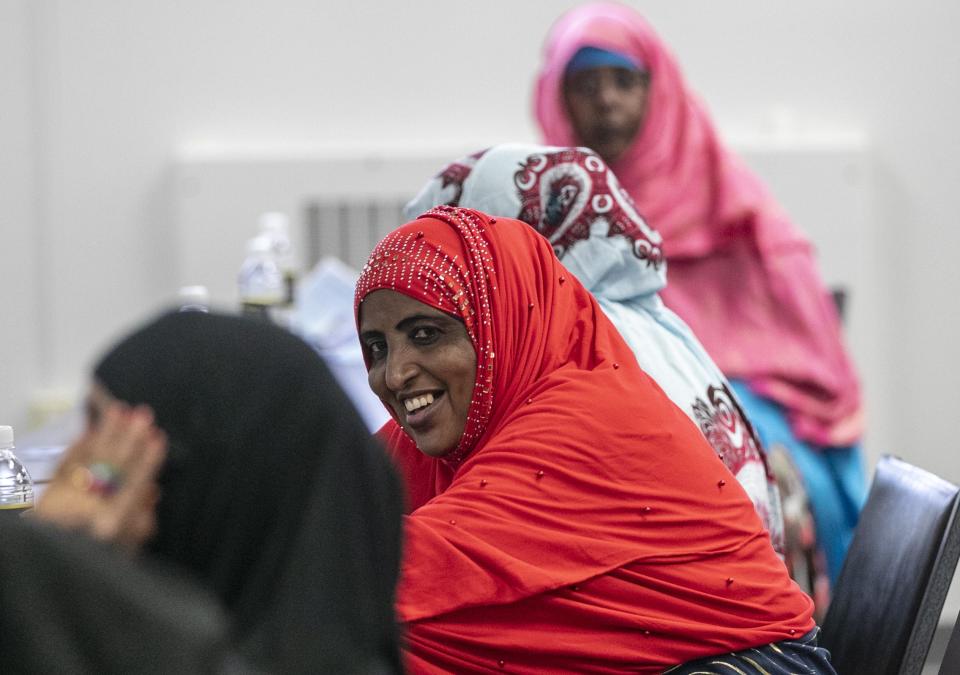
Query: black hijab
274	496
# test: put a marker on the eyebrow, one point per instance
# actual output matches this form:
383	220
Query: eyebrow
408	322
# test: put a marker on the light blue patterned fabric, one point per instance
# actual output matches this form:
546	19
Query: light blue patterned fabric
835	478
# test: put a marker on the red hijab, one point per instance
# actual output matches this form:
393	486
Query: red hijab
741	275
582	523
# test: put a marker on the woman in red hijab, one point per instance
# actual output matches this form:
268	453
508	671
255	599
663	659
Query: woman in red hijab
564	514
741	275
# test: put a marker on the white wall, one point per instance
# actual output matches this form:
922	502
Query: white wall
21	364
103	94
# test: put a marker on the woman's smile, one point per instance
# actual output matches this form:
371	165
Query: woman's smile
420	409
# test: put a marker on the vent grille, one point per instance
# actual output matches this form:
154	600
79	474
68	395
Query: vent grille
348	229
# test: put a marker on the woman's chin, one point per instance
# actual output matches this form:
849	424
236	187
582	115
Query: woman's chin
433	449
610	152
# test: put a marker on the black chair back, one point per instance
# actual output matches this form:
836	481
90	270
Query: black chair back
950	664
891	589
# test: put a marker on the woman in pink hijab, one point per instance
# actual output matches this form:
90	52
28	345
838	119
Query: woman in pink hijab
741	275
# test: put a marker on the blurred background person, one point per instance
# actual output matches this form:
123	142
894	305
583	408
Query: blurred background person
741	274
273	499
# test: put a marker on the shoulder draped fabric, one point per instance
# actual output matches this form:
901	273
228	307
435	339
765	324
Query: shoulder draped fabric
742	276
570	197
582	523
273	496
69	604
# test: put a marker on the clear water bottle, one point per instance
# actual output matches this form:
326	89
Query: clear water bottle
194	299
275	226
16	486
261	285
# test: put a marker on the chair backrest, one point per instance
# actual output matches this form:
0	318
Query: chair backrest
950	664
891	589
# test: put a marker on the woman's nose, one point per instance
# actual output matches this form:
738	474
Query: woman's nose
400	369
607	94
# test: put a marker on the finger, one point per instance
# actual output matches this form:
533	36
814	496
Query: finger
143	523
77	453
139	482
113	424
132	436
66	506
122	434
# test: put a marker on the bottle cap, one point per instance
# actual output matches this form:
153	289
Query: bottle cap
194	295
259	244
6	436
274	221
194	298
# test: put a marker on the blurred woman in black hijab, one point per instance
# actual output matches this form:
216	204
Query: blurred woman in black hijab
272	496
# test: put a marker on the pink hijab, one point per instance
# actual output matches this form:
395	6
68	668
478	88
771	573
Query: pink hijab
741	275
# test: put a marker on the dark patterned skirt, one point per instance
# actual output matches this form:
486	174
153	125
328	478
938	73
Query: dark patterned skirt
801	656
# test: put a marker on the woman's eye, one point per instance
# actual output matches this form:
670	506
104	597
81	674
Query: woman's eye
424	334
630	79
585	86
627	79
377	349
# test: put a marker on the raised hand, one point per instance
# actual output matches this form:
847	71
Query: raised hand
106	484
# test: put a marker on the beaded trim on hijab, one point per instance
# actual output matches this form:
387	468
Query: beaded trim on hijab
406	262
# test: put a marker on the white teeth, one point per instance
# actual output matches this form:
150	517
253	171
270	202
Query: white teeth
412	404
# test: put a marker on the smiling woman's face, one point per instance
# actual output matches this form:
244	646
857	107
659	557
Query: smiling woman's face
422	365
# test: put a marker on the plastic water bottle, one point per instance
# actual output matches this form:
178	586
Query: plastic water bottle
262	288
194	299
276	227
16	486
